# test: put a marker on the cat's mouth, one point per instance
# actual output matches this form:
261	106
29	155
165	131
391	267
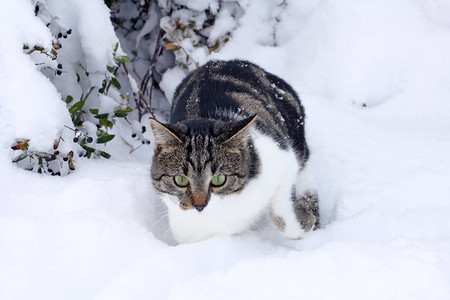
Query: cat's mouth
198	203
189	206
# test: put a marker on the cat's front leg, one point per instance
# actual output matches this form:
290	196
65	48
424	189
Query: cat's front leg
283	213
297	215
295	208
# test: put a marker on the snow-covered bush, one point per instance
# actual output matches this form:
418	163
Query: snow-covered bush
81	56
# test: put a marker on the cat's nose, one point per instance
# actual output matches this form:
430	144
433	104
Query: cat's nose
199	207
200	201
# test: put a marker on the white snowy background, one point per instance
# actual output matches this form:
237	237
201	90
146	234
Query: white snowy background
374	77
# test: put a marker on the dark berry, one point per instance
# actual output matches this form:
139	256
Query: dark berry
98	125
65	36
56	152
75	140
89	139
59	72
147	142
58	173
59	35
143	142
59	66
144	129
133	135
65	159
50	170
69	31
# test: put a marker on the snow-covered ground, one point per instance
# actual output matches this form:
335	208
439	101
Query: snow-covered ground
374	77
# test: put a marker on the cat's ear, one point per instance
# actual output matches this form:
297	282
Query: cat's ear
237	128
163	135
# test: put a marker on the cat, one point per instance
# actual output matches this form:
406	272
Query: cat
234	150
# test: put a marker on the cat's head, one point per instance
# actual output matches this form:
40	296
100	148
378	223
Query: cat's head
197	158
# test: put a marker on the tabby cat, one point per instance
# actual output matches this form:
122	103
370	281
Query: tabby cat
233	151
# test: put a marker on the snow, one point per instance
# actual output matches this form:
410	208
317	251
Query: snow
199	5
374	80
170	81
24	89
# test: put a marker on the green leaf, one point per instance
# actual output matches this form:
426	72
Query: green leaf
78	77
88	149
101	116
94	111
20	157
121	113
106	123
111	69
104	139
69	99
116	83
126	110
105	154
116	47
122	59
102	89
76	107
78	121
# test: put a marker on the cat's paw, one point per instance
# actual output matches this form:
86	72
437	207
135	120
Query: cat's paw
294	232
293	229
305	217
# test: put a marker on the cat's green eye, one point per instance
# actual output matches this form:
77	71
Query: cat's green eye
181	181
218	180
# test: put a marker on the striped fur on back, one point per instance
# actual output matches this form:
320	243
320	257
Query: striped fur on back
232	90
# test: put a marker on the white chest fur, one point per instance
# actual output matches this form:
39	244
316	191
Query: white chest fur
235	213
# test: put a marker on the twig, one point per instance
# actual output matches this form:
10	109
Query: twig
74	130
138	105
155	55
139	102
149	75
88	93
129	145
185	51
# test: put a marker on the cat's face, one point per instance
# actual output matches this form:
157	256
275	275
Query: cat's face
196	159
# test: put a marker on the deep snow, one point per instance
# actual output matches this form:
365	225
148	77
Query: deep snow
374	77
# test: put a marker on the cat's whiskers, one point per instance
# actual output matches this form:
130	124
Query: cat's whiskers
156	208
157	221
165	234
156	214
